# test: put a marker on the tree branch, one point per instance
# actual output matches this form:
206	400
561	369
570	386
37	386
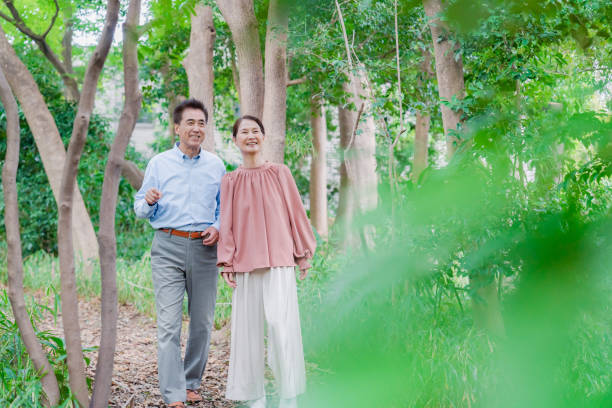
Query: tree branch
52	20
297	81
42	44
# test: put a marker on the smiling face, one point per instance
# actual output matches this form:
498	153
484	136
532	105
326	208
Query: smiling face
249	138
190	130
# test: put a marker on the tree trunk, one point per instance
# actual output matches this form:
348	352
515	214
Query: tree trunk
423	120
360	153
449	72
49	143
421	144
199	67
13	256
318	167
70	315
131	172
344	214
240	17
108	205
275	95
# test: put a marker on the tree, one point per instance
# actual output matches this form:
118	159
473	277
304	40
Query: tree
108	204
14	257
318	167
449	72
358	143
70	316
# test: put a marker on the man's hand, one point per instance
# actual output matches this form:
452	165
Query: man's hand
303	274
152	196
230	279
211	236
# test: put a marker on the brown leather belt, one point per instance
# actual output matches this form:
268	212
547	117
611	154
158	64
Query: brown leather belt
184	234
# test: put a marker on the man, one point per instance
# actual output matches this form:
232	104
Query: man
180	197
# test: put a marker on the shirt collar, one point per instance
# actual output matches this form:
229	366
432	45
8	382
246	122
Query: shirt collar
179	154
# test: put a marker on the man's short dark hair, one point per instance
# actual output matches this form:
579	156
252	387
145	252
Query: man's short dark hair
177	115
249	117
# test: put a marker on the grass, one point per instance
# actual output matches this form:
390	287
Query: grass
134	285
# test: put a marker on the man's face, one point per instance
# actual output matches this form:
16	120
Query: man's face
191	129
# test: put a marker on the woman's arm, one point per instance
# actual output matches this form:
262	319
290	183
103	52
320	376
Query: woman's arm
226	246
304	242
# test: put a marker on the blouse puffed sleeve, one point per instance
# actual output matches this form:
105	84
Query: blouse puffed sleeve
304	242
226	246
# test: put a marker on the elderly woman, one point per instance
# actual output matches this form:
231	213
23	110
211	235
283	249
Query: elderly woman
264	234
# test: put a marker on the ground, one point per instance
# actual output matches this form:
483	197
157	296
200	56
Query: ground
135	372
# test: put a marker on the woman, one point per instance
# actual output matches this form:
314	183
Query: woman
264	234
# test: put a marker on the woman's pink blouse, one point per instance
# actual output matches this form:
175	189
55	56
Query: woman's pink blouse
263	222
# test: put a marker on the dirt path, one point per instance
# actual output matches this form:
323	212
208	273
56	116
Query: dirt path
135	374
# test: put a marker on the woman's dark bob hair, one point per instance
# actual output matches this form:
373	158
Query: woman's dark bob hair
249	117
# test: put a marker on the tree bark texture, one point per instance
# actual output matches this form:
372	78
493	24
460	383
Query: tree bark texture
70	315
240	17
199	67
14	257
449	72
275	95
318	167
108	205
48	142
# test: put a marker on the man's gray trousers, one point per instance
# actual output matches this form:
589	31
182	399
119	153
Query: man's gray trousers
181	264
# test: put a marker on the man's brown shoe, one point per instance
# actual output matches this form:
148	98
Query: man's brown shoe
177	404
193	396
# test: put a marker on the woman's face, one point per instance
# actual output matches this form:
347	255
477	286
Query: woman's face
249	138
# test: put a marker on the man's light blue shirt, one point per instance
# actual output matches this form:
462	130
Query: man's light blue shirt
190	190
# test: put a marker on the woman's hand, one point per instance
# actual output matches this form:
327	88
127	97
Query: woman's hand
303	274
230	279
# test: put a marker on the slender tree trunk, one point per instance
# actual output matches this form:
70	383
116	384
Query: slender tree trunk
423	120
71	92
108	205
240	17
199	67
344	214
14	258
449	72
421	144
318	167
275	96
70	314
49	143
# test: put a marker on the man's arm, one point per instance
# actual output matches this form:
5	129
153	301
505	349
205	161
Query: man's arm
145	200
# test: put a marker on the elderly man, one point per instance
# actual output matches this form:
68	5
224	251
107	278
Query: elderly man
180	197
